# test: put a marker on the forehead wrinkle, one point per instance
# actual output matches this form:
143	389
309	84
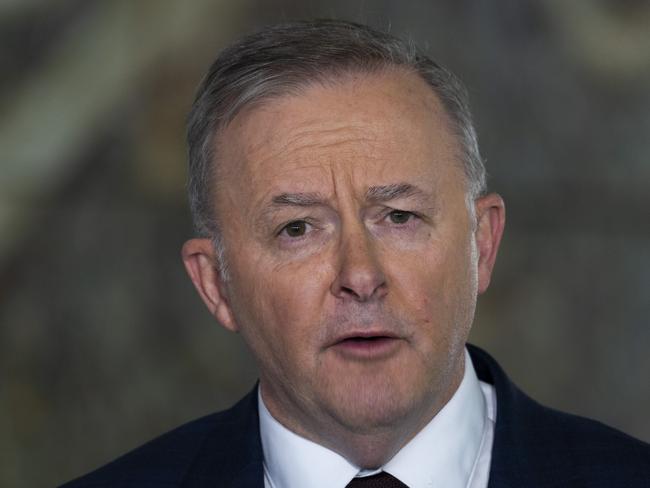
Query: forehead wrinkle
277	143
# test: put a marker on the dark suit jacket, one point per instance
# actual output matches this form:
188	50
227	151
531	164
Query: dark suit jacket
534	446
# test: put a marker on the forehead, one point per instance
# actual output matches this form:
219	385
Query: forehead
370	129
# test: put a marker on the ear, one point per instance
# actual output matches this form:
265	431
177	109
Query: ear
490	221
201	263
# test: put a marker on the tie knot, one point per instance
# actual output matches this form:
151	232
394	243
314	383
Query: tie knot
379	480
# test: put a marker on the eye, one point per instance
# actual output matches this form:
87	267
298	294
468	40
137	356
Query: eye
400	216
297	228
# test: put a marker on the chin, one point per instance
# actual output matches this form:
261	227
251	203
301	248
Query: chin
369	409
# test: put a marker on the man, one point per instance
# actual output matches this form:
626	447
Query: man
345	232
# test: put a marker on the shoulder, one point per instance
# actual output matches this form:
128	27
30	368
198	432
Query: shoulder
585	449
538	446
170	460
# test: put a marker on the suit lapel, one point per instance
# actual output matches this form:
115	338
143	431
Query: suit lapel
521	435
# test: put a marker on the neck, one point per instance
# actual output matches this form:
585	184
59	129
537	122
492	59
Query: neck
368	447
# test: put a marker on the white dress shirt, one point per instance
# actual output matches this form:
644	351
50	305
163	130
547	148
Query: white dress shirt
453	450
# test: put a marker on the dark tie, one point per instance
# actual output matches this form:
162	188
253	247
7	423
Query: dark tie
379	480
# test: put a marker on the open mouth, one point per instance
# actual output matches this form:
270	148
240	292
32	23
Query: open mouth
371	346
366	339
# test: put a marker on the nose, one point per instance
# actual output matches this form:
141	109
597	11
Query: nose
360	276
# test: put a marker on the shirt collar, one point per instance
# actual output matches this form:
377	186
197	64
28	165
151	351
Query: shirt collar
443	453
291	461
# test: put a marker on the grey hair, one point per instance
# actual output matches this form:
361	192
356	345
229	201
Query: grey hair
282	59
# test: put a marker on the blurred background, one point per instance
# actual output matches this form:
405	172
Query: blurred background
103	341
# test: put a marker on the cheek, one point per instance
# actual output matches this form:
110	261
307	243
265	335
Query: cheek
460	292
297	291
279	307
437	288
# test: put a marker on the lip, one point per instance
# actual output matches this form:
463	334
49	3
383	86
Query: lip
367	345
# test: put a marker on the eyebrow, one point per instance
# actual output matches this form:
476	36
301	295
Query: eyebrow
374	194
385	193
298	199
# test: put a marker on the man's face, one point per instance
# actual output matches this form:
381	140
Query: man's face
353	261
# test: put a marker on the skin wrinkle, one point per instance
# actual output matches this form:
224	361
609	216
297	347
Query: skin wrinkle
337	190
337	78
335	186
358	270
297	137
400	195
418	196
307	136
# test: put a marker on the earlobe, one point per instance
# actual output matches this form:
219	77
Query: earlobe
200	261
491	218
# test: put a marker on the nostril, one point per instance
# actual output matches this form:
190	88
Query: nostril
349	291
360	276
362	292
